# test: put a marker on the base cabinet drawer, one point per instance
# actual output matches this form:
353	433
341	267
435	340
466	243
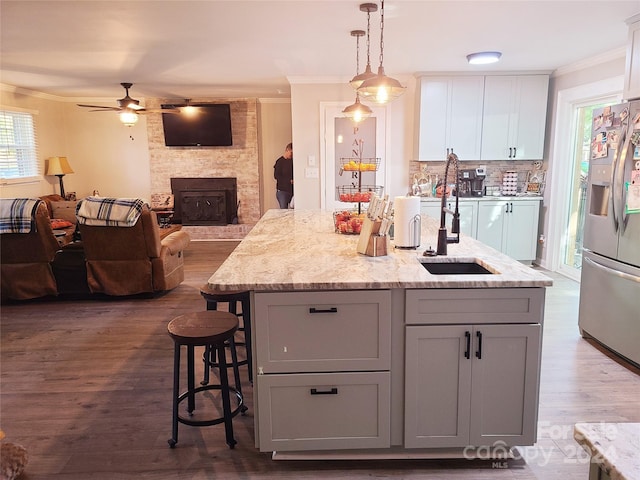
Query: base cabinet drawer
329	331
324	411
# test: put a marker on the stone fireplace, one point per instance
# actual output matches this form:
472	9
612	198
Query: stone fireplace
205	201
211	208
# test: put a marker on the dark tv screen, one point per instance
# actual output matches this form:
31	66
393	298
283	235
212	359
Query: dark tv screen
206	125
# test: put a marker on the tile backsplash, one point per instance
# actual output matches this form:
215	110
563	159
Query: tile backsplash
495	169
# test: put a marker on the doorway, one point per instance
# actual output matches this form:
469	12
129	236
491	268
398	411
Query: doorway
571	261
569	172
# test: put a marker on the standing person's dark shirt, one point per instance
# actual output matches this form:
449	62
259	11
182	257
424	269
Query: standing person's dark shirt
283	173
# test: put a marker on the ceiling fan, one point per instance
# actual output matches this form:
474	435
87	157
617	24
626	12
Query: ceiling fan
128	107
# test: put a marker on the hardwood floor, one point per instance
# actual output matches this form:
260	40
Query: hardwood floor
86	387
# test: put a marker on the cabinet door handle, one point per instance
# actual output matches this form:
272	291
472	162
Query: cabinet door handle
510	150
515	152
467	353
321	310
510	207
479	351
315	391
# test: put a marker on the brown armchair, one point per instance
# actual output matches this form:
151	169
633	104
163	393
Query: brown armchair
26	258
131	260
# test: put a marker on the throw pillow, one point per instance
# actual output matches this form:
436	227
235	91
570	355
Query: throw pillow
58	223
64	210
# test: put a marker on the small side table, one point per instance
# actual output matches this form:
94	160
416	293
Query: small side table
614	449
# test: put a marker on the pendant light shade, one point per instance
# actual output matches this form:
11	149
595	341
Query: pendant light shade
367	74
357	112
381	89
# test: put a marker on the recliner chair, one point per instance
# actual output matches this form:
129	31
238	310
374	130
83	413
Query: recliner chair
25	260
132	260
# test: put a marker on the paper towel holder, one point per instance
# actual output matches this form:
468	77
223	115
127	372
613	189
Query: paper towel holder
415	226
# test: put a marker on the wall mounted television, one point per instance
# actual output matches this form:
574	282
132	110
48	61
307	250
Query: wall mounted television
204	125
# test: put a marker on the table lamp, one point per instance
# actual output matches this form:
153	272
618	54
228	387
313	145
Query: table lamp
59	166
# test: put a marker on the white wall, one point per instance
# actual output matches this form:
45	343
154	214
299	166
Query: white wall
274	131
307	127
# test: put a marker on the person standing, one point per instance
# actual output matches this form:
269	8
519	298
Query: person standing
283	173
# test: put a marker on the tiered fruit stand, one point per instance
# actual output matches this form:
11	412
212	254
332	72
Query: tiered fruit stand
349	221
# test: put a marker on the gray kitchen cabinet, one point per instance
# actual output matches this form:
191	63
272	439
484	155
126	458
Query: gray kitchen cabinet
632	71
450	117
468	214
471	385
514	117
510	226
323	364
472	366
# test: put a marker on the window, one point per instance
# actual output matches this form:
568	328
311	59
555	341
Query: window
18	149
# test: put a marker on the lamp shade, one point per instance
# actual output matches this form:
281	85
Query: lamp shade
58	166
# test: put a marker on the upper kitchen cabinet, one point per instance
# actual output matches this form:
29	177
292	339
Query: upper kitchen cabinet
632	70
514	117
450	117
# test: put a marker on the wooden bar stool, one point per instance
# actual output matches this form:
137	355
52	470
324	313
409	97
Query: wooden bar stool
232	298
212	330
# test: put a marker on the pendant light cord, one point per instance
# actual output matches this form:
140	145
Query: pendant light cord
381	30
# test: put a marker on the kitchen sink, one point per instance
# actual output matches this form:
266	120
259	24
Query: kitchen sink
455	268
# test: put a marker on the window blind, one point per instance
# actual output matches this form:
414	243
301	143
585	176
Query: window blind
18	146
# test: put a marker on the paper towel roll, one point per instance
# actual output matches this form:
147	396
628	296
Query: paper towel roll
406	222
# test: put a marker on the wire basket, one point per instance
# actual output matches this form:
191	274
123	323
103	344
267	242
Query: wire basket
362	194
347	222
360	164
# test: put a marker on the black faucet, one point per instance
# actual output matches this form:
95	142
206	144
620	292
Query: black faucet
443	239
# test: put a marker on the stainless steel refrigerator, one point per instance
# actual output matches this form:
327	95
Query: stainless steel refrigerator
610	283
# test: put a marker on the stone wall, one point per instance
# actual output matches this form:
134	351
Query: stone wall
240	161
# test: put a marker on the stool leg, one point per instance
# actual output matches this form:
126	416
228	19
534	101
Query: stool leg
211	305
236	373
191	382
176	393
207	364
246	323
226	402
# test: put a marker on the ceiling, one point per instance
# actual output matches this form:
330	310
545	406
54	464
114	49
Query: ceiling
220	48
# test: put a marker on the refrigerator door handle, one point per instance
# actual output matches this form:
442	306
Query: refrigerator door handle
619	172
613	195
611	271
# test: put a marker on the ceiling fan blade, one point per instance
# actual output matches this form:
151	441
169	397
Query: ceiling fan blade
158	110
101	107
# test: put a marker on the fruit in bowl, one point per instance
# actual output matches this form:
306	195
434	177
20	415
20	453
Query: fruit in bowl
348	223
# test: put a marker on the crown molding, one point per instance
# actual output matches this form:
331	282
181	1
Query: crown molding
594	61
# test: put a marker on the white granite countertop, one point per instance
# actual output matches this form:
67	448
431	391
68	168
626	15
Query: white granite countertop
484	198
299	250
615	447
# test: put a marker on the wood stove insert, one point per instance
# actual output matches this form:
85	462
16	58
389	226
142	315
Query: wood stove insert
205	201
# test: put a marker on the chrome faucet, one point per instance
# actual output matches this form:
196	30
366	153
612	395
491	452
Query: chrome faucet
443	239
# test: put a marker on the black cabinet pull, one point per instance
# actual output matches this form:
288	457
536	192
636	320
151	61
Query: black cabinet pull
515	149
510	150
320	310
333	391
467	352
479	351
510	207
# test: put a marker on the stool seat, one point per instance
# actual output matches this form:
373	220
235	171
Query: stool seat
212	330
197	328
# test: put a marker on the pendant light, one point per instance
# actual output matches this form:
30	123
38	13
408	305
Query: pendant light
381	89
357	112
367	74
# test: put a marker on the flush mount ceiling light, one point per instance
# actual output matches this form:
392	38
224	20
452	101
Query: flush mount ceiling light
483	58
357	112
367	74
381	89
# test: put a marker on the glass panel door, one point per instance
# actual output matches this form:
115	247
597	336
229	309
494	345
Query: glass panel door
572	251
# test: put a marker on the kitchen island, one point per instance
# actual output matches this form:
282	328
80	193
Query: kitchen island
375	356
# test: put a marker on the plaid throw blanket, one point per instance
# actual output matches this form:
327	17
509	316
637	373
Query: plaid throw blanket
113	212
17	215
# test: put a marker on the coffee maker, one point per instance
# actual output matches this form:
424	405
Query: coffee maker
471	182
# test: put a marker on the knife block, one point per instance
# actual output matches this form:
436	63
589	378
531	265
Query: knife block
370	243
